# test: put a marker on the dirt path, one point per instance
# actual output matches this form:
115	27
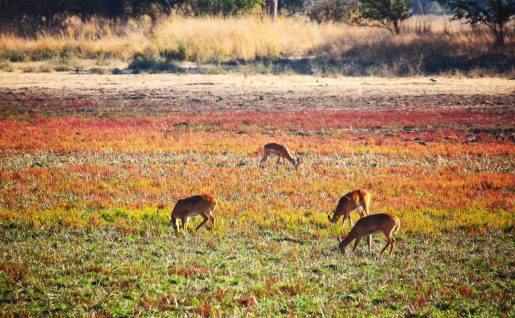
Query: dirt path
165	93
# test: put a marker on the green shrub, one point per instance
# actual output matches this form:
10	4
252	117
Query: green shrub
29	69
45	69
179	54
14	56
97	70
153	63
6	66
216	70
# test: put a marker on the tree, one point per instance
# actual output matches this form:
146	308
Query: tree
224	7
493	13
386	13
291	6
170	5
331	10
271	8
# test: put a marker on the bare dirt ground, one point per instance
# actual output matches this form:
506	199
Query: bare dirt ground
65	93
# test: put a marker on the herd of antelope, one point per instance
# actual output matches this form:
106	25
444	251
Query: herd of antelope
357	200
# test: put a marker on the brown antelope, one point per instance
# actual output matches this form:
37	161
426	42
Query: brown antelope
357	199
386	223
201	205
281	152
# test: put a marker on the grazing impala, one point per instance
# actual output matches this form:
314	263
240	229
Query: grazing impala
281	152
386	223
201	205
357	199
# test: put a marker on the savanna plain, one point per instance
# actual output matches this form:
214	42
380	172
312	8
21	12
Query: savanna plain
85	160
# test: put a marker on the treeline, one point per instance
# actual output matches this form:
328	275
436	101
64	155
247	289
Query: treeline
48	10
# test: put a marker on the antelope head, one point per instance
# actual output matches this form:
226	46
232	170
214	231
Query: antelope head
297	162
341	246
334	218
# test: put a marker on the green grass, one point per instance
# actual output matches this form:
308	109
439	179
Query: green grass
60	271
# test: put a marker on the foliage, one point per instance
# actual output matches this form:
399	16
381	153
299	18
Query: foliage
426	7
331	10
154	63
27	17
387	13
216	7
6	66
292	6
495	14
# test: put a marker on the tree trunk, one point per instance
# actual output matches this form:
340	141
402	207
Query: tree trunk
396	27
498	30
271	8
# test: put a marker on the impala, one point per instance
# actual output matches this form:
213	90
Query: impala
386	223
357	199
202	205
281	152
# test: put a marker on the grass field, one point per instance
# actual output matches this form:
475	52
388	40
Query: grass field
85	161
248	44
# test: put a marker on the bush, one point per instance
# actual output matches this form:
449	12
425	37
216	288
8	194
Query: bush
493	13
386	13
13	56
153	63
6	66
97	70
331	10
179	54
292	6
213	7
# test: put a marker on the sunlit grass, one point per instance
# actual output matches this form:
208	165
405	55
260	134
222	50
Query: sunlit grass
217	39
266	273
91	172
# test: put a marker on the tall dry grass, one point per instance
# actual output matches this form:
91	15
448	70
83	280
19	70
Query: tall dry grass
334	46
92	39
244	38
205	39
427	46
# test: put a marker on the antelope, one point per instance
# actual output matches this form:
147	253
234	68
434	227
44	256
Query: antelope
374	223
358	199
281	152
195	205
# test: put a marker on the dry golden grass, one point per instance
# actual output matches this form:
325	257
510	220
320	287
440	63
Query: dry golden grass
207	38
215	39
243	38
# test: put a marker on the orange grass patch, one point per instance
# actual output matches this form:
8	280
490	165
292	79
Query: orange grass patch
90	172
